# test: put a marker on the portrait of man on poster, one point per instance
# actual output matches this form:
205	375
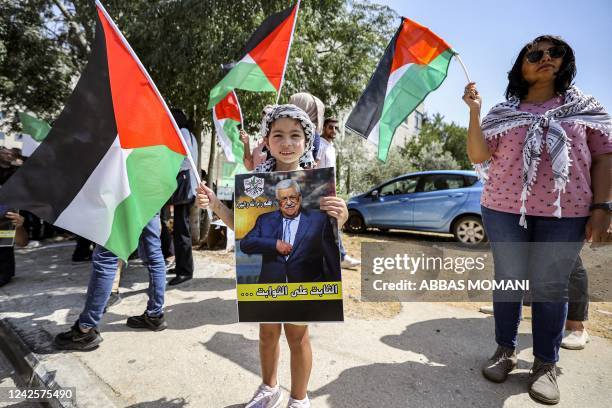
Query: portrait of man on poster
296	244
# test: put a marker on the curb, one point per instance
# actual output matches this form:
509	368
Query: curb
29	369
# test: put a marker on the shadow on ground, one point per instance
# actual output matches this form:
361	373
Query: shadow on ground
161	403
449	375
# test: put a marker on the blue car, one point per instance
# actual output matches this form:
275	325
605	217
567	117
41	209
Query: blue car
446	201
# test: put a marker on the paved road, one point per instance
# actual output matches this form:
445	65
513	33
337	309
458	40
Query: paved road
427	356
8	379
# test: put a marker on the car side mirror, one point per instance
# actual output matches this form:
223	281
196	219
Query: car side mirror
375	194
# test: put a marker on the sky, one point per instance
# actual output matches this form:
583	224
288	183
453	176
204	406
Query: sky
489	35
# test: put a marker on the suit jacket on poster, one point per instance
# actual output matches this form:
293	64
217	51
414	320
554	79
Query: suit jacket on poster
315	256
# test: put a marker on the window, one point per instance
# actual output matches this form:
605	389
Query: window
418	120
404	186
439	182
470	180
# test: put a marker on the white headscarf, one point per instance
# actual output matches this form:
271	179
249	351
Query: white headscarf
293	112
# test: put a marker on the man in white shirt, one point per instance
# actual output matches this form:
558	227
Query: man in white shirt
327	158
327	150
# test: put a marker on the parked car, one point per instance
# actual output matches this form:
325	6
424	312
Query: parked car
446	201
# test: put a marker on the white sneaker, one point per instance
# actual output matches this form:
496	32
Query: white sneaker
266	397
486	309
575	340
350	263
293	403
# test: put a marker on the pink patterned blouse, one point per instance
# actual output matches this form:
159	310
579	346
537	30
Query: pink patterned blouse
502	191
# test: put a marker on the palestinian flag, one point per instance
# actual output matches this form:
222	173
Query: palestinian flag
414	64
34	132
227	117
111	158
36	128
264	58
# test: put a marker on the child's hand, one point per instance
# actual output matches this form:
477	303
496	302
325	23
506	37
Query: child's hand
283	248
15	218
335	207
244	137
206	198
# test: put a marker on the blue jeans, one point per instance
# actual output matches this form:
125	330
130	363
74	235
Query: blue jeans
341	246
516	261
105	267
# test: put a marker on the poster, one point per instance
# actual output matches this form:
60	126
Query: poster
287	254
7	228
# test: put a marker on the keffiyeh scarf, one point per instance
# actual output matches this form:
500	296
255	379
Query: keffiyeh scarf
288	111
578	108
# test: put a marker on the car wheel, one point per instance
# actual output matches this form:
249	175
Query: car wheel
469	230
355	223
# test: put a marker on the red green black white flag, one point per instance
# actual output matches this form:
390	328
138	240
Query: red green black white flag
227	118
262	65
415	63
111	158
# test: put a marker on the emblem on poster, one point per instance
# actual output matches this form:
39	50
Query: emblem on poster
254	186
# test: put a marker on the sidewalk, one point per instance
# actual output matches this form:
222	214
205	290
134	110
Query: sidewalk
427	356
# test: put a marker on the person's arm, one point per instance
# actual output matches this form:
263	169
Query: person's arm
21	236
255	243
247	157
477	148
206	198
599	226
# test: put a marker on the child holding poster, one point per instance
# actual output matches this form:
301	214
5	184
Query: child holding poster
289	136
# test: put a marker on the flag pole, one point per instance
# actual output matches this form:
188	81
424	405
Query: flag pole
239	110
146	74
465	71
297	10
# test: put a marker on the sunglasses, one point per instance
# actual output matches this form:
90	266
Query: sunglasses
555	52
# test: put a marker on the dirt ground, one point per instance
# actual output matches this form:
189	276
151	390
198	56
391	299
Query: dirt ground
600	313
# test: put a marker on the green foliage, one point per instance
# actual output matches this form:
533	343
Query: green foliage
439	145
183	45
358	169
36	63
445	137
432	156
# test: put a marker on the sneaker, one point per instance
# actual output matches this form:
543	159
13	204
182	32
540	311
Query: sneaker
543	382
114	299
575	340
294	403
486	309
144	321
178	279
33	244
75	339
350	262
498	367
170	264
266	397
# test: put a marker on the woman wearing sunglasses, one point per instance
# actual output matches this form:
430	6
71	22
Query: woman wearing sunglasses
546	155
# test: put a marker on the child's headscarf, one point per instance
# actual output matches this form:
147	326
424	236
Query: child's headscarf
293	112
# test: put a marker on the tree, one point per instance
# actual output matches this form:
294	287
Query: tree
37	59
183	44
432	156
451	137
